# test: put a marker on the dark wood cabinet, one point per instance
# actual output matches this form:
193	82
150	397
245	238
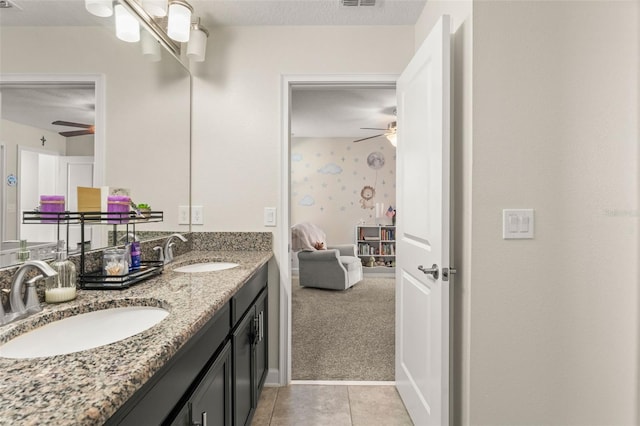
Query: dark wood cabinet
249	360
210	403
218	373
242	345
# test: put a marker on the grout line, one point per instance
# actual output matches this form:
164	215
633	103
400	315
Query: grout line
273	407
343	383
349	399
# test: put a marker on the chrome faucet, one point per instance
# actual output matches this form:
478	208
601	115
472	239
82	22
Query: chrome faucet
18	308
168	247
128	236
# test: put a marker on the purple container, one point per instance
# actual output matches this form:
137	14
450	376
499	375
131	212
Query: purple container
51	204
118	207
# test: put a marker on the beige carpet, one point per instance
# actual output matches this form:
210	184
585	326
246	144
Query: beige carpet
344	335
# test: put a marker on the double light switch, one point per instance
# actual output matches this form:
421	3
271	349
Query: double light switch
517	224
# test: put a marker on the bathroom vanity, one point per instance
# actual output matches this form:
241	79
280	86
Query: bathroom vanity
206	359
217	376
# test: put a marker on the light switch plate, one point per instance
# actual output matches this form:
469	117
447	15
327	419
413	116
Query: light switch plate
197	215
269	216
183	215
517	224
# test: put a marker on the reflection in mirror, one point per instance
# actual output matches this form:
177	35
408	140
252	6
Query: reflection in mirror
142	112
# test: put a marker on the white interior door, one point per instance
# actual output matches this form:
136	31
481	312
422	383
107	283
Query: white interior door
75	171
422	299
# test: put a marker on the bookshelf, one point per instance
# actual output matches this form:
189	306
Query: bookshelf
379	242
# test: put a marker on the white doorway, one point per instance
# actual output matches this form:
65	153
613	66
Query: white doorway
288	83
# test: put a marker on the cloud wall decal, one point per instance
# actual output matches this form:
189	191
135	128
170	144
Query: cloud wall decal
307	200
330	169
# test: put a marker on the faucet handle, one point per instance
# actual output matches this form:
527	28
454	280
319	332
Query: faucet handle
32	304
161	253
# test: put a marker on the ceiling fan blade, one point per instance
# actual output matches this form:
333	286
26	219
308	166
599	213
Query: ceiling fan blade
72	124
76	133
372	128
370	137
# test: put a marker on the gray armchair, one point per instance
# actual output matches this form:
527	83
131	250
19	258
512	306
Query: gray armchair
337	267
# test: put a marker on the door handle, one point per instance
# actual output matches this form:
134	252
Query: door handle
433	271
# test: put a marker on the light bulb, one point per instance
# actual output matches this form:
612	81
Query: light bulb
155	7
393	138
150	47
101	8
197	47
127	27
179	24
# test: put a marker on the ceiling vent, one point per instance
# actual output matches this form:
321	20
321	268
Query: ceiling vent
356	3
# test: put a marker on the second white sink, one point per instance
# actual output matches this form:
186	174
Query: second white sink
206	267
83	331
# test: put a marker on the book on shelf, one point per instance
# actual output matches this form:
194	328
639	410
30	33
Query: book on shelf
370	238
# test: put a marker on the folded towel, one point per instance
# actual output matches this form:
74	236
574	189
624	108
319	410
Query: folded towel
305	235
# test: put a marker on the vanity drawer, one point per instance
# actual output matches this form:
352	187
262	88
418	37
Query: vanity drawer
242	300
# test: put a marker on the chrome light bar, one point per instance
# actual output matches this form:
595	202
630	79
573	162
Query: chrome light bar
152	27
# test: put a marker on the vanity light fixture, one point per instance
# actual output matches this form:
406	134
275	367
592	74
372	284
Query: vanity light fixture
127	27
156	8
101	8
150	47
179	24
197	47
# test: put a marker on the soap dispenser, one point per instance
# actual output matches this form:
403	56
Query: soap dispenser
62	287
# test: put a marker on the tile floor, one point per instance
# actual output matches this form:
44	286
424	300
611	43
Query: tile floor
334	405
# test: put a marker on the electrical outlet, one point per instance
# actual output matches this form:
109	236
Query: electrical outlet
183	215
197	215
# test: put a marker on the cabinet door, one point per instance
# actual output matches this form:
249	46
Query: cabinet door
261	347
210	403
242	367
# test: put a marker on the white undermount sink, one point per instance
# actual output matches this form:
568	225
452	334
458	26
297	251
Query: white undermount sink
83	331
206	267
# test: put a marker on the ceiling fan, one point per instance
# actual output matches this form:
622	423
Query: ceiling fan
89	129
389	131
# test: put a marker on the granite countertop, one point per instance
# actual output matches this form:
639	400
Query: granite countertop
88	387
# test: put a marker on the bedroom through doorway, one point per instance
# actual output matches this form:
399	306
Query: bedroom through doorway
342	177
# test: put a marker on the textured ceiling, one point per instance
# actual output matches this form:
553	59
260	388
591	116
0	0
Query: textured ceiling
40	105
230	12
334	112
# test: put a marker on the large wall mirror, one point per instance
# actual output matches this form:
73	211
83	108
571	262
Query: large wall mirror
58	63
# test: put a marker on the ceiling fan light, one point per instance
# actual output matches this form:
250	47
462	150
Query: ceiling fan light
150	47
155	7
101	8
393	138
127	27
197	47
179	24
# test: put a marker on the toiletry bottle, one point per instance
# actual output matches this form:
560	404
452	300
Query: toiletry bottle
135	256
62	287
23	253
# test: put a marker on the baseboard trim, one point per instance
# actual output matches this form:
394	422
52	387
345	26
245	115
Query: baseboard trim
342	383
273	378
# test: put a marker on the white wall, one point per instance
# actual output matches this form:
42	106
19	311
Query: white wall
81	146
554	320
548	328
237	115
